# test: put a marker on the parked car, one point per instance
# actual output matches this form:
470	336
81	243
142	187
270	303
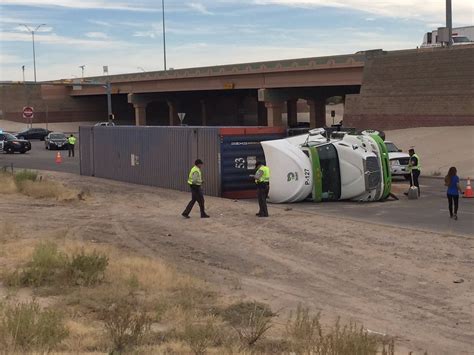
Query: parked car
398	160
33	133
11	144
56	140
104	124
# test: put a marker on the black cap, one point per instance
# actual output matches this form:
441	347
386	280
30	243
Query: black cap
259	163
198	162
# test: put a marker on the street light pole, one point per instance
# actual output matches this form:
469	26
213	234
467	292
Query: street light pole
164	32
82	68
33	38
23	70
449	21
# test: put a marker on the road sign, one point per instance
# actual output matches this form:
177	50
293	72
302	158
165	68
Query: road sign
28	112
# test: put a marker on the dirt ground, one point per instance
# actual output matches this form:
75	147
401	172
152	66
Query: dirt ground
395	281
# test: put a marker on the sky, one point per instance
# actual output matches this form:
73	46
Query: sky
126	35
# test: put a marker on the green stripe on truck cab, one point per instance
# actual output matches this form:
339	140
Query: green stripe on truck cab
317	175
387	174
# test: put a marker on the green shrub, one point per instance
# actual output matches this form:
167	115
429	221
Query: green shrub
25	175
253	324
305	335
87	269
127	324
238	313
49	266
199	336
46	267
25	326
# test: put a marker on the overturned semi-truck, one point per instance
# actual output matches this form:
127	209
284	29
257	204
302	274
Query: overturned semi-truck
328	166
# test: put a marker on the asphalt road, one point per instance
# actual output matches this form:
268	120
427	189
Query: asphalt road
430	212
41	159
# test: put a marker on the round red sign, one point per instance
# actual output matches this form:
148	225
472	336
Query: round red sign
28	112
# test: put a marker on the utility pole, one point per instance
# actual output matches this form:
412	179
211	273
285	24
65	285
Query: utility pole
449	21
23	70
164	32
33	38
82	68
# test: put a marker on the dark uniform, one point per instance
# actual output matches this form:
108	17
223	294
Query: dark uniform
415	169
195	183
262	179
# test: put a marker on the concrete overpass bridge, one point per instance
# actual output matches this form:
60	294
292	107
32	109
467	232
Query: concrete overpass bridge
382	90
241	94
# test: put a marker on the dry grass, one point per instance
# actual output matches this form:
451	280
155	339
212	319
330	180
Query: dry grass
7	184
30	184
165	311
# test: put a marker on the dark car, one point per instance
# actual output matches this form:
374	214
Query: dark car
12	144
33	133
55	140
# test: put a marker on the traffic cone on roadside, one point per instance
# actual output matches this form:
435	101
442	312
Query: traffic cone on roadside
59	158
468	191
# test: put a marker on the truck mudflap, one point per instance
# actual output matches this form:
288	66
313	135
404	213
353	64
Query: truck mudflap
291	173
385	161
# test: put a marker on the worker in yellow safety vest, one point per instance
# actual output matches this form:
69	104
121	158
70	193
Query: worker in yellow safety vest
195	182
262	179
71	140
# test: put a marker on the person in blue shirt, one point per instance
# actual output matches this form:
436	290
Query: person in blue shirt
452	182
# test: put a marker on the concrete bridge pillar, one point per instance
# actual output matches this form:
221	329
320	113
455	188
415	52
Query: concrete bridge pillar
262	115
203	113
274	110
317	112
139	104
292	112
173	113
140	114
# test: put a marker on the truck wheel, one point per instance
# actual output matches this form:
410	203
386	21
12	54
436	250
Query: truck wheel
9	150
22	151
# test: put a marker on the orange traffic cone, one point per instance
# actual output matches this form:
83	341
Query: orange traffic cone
59	158
468	191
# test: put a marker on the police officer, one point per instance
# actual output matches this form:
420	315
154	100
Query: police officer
195	182
71	144
414	167
262	179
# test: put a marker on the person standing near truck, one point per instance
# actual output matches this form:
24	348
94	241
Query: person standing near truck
195	182
262	179
414	166
451	181
71	145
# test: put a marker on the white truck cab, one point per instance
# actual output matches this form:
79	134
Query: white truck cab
314	167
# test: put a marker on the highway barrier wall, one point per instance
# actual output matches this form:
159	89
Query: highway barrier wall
162	156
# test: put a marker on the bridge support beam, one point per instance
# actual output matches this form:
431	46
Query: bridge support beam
140	114
317	112
139	104
274	110
203	113
173	113
292	112
262	115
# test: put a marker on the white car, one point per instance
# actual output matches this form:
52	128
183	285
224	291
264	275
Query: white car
398	161
104	124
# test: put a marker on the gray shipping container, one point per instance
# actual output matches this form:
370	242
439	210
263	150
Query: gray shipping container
163	156
155	156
